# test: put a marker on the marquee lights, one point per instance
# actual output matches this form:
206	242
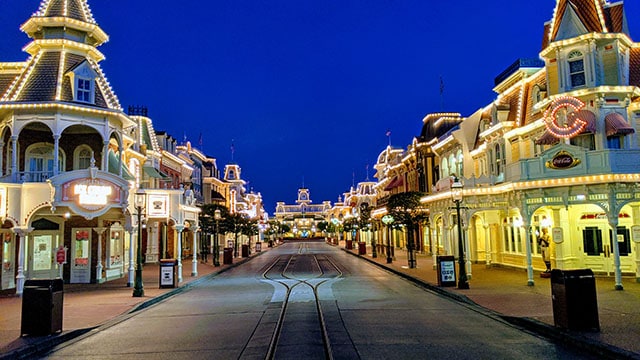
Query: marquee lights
573	125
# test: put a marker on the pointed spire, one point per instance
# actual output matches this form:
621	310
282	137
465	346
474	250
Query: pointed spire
74	9
588	13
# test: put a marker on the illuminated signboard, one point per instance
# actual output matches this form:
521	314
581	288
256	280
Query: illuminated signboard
562	160
91	194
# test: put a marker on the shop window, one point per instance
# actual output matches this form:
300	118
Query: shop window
592	241
115	247
624	240
576	69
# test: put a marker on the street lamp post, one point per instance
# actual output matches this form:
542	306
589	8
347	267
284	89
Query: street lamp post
216	250
139	202
388	220
456	195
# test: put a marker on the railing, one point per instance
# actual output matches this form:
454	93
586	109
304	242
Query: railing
28	176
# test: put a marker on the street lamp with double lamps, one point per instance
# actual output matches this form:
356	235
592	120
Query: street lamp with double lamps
388	220
216	251
456	196
139	200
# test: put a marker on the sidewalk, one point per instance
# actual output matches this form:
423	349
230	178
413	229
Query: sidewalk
500	290
86	306
505	292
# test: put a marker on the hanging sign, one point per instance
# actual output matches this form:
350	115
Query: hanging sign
91	194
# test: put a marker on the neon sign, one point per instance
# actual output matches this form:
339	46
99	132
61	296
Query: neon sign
562	118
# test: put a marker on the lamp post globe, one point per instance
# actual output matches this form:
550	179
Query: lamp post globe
456	196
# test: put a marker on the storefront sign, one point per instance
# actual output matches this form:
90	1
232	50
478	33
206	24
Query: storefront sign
562	160
561	118
61	255
446	271
158	205
556	235
91	194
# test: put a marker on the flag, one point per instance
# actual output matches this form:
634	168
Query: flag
441	85
200	140
388	133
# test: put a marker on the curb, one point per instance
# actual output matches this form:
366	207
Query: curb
558	335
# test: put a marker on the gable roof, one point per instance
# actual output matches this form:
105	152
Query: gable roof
596	16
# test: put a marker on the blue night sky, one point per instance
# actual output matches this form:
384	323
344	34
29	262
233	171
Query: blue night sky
305	90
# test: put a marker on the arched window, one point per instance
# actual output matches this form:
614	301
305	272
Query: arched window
576	69
40	160
499	159
82	157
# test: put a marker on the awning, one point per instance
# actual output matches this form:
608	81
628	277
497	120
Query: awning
548	138
397	181
154	173
216	195
615	124
113	167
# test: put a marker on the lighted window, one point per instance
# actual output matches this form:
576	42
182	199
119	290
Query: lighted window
40	162
576	69
84	90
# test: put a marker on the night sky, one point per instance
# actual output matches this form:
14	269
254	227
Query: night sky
305	90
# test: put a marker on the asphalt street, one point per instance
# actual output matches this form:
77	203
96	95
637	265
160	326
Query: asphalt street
368	313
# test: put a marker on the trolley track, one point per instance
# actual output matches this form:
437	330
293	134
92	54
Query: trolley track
300	324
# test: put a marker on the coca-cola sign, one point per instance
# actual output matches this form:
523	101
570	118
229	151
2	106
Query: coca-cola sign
562	160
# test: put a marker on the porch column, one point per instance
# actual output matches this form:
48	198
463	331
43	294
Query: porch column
613	223
99	231
467	245
152	254
20	278
526	225
105	156
635	215
179	229
194	262
56	150
433	234
120	151
487	243
1	157
14	157
131	269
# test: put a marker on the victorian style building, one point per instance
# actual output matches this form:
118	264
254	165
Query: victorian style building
303	216
71	160
556	149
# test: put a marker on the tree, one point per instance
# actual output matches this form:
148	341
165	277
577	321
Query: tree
406	209
323	226
233	223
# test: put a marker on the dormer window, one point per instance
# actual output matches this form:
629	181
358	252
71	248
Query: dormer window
84	90
576	69
83	83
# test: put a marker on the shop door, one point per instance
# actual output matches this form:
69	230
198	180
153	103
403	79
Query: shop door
8	255
80	256
41	250
598	252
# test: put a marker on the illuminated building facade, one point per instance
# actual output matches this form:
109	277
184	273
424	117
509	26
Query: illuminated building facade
303	216
557	148
71	159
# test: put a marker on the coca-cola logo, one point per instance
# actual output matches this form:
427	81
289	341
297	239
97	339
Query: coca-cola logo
562	160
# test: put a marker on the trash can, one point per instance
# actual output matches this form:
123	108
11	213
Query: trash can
42	302
168	273
362	248
575	304
227	256
349	244
245	250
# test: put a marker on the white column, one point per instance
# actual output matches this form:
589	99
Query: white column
434	245
56	150
467	247
20	278
99	231
527	232
131	269
105	156
179	229
1	157
120	151
487	244
14	157
194	262
153	249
